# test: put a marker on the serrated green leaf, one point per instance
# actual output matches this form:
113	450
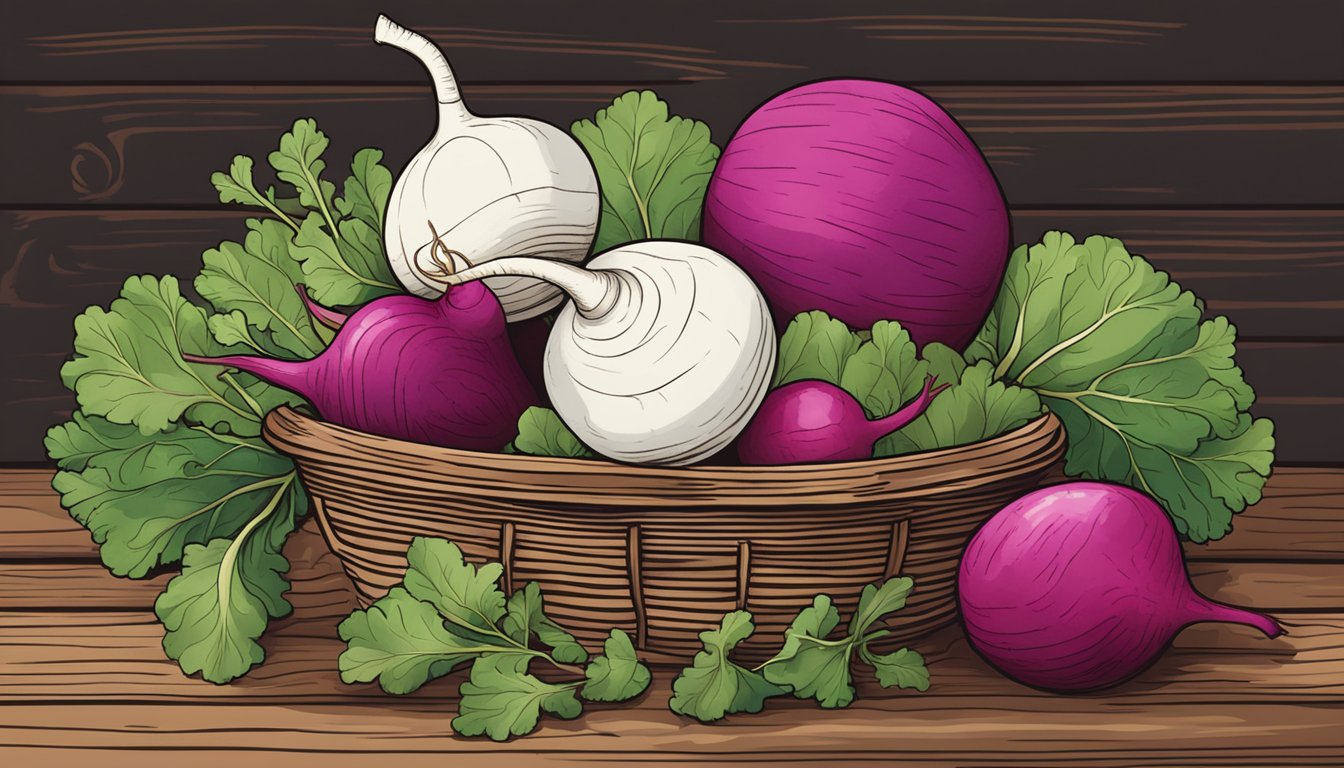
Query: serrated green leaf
878	600
542	433
1118	352
885	371
902	669
525	618
257	278
653	169
128	363
399	641
810	667
144	498
616	675
298	162
502	700
331	278
366	190
232	330
714	685
945	364
216	609
815	346
975	408
464	594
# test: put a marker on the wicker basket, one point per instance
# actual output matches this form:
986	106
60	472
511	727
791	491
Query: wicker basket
663	553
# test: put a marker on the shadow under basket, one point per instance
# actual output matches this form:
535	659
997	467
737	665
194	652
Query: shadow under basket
663	553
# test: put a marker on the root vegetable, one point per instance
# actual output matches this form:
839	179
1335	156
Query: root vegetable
485	187
439	372
663	353
1081	586
809	421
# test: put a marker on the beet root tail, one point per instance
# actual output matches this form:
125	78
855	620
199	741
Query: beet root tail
287	374
909	412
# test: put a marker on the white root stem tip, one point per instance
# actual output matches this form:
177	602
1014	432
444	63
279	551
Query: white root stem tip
389	32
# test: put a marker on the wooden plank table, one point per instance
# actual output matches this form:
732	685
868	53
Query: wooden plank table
84	681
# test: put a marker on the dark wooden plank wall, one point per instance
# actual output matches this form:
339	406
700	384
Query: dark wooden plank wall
1208	135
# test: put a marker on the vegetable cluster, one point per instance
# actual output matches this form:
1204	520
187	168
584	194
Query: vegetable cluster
163	462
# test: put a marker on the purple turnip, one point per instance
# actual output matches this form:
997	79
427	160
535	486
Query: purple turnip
1081	586
866	200
808	422
431	371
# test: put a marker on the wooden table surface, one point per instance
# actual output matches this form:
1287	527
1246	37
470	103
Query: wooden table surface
84	681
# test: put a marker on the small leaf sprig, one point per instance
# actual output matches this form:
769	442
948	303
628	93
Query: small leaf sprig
448	613
811	664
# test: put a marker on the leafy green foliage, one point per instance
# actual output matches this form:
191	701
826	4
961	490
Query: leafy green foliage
714	685
975	407
1150	395
653	169
163	462
815	346
885	371
810	665
815	666
616	675
256	280
448	613
542	433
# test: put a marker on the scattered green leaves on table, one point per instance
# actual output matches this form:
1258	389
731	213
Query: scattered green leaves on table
653	169
812	664
448	613
1150	395
542	433
715	686
163	461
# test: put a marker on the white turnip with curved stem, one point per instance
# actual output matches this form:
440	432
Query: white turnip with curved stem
663	354
485	187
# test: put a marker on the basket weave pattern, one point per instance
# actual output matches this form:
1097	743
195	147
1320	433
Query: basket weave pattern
663	553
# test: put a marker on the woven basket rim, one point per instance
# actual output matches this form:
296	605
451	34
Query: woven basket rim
287	428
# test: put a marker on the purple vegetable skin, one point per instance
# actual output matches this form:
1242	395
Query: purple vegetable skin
1081	586
431	371
866	200
809	422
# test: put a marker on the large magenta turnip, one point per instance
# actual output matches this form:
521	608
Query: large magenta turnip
866	200
1080	586
432	371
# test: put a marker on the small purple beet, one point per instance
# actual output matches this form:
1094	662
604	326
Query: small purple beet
810	422
437	371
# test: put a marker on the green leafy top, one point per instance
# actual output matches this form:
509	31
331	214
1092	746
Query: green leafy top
447	613
163	461
811	664
1150	395
653	169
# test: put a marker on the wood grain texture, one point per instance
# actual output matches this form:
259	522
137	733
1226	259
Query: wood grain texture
412	734
1301	517
143	145
917	40
810	528
1277	273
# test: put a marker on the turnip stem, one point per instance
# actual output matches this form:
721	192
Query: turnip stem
451	108
593	291
328	317
888	424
